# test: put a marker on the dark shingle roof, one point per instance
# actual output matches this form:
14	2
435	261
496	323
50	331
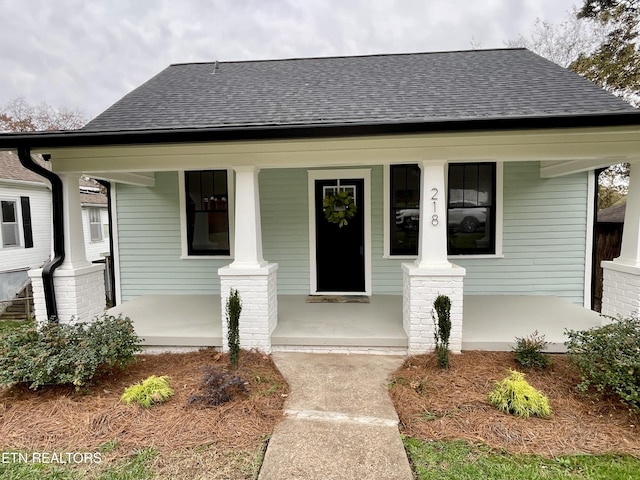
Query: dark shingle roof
12	169
418	87
613	214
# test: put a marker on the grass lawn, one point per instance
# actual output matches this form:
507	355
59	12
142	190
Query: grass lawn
461	461
146	463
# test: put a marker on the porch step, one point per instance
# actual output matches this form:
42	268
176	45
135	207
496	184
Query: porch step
20	309
343	349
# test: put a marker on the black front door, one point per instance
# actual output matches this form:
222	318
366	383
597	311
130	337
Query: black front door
340	250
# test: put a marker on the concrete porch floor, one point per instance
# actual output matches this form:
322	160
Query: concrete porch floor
491	322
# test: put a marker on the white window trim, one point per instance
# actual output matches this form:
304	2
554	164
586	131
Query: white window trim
313	175
18	204
99	222
499	217
184	242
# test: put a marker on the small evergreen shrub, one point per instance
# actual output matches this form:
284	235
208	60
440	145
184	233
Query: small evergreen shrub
58	354
528	351
442	330
151	391
234	307
219	387
608	359
514	395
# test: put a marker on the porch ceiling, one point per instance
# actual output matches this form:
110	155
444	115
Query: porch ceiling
594	146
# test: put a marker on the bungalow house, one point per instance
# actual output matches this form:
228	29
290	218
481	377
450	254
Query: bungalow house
25	237
386	179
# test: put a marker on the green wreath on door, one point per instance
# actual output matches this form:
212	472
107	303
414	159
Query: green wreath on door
339	208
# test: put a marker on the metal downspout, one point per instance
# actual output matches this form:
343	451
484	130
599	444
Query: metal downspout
24	154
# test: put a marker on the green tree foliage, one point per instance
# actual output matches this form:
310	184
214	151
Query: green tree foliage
613	185
234	307
615	64
442	324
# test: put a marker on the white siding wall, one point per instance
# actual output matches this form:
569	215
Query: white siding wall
13	258
94	250
545	221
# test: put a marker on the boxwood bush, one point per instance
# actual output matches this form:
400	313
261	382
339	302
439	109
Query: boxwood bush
54	354
608	359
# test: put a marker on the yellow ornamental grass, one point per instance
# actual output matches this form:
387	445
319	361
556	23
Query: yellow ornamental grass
151	391
514	395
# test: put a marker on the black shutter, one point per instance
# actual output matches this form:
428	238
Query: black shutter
26	222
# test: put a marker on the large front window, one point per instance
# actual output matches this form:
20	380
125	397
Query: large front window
471	209
207	199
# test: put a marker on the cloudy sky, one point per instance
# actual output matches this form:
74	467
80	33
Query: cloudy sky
86	54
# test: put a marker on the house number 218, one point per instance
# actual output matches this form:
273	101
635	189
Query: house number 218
434	217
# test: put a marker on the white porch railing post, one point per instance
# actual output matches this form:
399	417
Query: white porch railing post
621	282
431	274
249	273
79	285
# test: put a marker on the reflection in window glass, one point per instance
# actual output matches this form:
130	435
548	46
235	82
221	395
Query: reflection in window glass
405	209
471	212
207	198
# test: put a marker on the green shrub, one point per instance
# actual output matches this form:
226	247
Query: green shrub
608	359
514	395
528	351
234	307
66	354
151	391
442	330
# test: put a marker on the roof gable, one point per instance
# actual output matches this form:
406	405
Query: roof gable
383	89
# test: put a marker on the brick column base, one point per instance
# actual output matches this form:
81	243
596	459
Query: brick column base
421	286
621	289
258	289
80	294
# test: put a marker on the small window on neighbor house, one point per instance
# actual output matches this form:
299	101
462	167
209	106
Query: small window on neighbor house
470	214
207	199
95	224
10	225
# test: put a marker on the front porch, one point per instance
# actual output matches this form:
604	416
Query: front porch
490	322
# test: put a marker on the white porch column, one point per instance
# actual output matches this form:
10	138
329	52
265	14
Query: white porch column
79	285
621	282
249	273
431	274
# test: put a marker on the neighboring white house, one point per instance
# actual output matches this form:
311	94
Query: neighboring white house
25	234
470	173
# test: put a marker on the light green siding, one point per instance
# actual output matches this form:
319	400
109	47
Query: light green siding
284	209
543	237
149	243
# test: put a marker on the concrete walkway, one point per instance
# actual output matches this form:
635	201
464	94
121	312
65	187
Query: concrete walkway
339	420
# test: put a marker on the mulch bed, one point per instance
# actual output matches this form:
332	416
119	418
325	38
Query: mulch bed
58	417
435	404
